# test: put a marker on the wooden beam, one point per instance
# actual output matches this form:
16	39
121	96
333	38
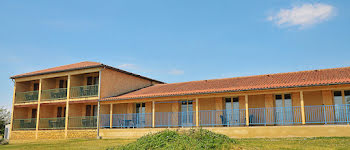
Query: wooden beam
153	114
302	107
343	96
111	116
197	112
67	107
246	111
38	110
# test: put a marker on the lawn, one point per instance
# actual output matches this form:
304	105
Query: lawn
280	143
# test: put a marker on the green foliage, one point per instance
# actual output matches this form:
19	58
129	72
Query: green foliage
175	140
4	119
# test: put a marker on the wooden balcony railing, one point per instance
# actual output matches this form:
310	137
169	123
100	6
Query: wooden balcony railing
84	91
25	97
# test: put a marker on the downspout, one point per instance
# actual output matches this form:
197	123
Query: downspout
99	105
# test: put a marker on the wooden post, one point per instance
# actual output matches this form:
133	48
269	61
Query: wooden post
13	108
153	114
302	107
197	113
38	111
343	96
246	111
111	116
67	107
99	104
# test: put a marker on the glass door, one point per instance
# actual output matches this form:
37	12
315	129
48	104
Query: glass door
288	108
186	113
140	117
338	102
279	109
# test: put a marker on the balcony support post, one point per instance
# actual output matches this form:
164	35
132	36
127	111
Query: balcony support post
67	108
197	112
246	110
99	104
153	114
38	110
111	116
13	108
302	107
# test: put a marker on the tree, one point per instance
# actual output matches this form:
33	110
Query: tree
4	119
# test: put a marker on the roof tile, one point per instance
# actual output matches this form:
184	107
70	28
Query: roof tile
279	80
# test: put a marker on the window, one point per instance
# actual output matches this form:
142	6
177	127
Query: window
338	98
61	112
88	110
89	81
91	110
92	80
34	113
63	84
36	87
347	97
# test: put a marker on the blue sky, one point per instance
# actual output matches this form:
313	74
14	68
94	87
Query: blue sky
174	41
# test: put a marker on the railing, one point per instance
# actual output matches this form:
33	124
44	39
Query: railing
52	123
54	94
82	122
134	120
275	116
84	91
175	119
25	97
24	124
231	117
327	114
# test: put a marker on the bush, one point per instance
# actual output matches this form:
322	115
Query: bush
190	139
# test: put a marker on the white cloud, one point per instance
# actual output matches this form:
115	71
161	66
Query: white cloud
176	72
303	15
127	66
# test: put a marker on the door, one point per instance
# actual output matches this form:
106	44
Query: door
278	109
288	109
186	113
235	110
140	117
338	102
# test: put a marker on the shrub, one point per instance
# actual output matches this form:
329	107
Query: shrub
175	140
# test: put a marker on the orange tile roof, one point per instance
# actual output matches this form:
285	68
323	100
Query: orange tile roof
77	66
258	82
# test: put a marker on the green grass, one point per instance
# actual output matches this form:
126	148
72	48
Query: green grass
194	139
339	143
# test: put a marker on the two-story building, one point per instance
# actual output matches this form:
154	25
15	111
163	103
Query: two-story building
90	99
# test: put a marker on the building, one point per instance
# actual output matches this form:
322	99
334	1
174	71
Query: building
90	99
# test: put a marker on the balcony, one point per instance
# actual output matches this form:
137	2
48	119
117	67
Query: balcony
24	124
84	91
54	94
27	97
82	122
52	123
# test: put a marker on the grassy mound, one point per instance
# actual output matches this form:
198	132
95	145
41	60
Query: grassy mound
175	140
